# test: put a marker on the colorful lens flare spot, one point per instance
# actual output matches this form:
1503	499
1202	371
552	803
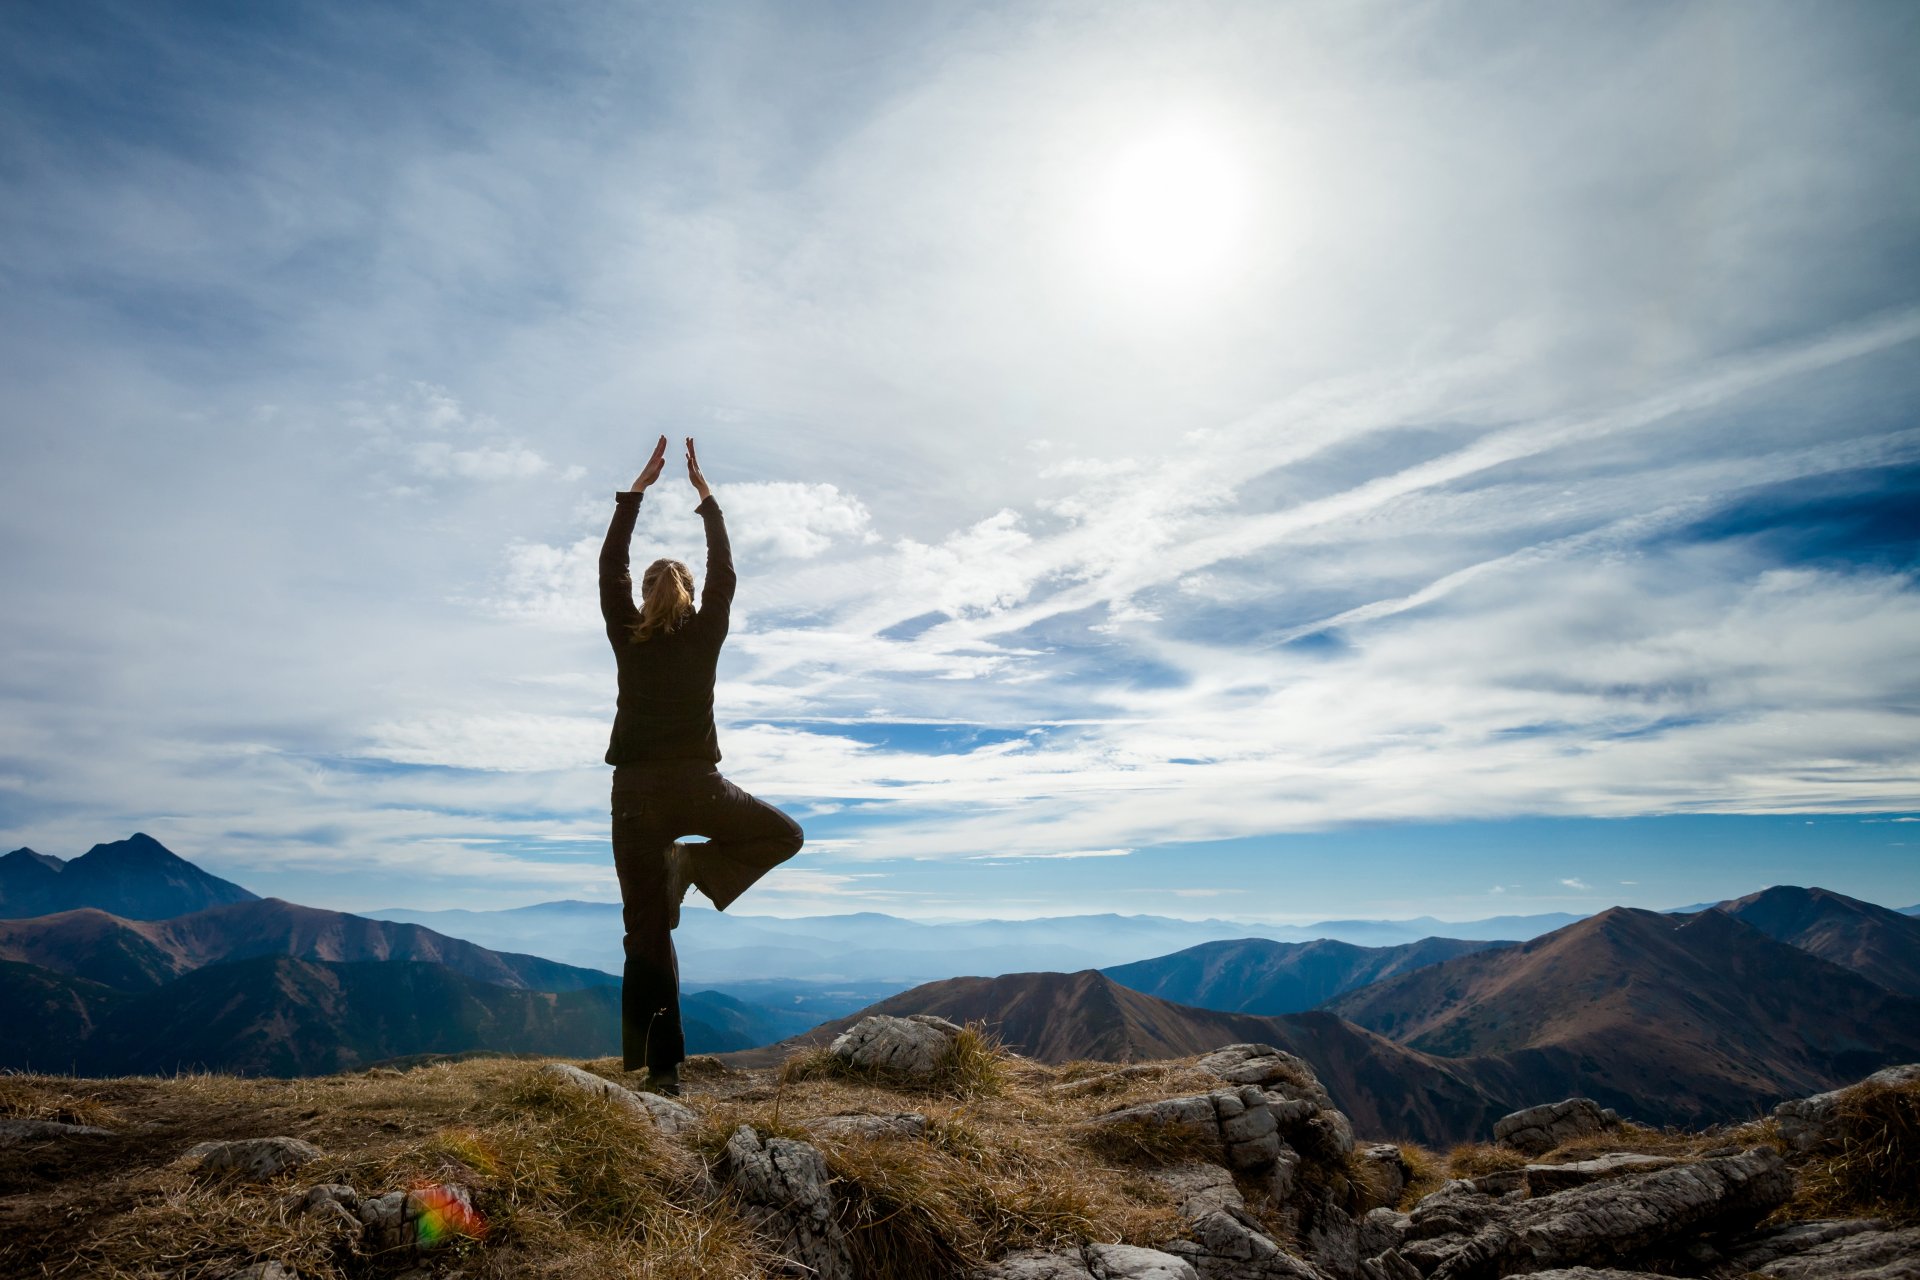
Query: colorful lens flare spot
444	1215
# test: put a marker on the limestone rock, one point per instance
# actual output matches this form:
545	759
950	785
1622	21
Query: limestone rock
1808	1123
785	1188
1545	1179
1857	1249
1500	1182
15	1131
1388	1266
910	1046
1538	1130
1200	1188
1274	1070
255	1159
1615	1220
1457	1208
1591	1273
1036	1264
1381	1230
329	1193
1130	1262
261	1271
670	1117
1239	1120
906	1124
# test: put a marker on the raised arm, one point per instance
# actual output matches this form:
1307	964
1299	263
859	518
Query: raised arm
616	578
716	593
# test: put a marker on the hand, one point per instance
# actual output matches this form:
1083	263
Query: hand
693	472
651	472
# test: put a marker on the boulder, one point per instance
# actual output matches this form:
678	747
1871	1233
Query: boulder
1809	1123
254	1159
906	1124
786	1191
1274	1070
1637	1215
1538	1130
1855	1249
1239	1120
1545	1179
913	1046
1130	1262
1229	1244
261	1271
1036	1264
670	1117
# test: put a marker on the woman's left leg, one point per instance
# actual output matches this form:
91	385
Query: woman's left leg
746	838
650	1032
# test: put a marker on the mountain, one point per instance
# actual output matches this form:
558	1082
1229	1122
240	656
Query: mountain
1671	1019
718	948
137	878
1061	1017
1255	975
48	1016
138	955
281	1016
1875	942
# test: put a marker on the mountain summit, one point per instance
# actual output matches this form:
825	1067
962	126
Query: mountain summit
137	879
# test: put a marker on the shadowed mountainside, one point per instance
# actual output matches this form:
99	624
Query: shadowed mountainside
1673	1019
1255	975
137	955
137	878
1872	941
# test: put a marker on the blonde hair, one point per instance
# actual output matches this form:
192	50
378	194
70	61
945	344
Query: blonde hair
666	590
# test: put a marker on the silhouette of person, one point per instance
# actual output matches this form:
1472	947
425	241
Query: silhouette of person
666	783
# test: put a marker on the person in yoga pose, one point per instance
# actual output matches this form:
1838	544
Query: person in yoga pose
666	783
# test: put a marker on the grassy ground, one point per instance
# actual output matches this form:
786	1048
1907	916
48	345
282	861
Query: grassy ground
574	1186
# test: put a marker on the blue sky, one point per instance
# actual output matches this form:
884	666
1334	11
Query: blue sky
1283	461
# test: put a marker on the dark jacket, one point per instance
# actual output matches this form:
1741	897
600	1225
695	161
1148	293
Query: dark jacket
666	681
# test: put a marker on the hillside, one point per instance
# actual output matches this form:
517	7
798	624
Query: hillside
1670	1018
137	878
1874	942
1256	975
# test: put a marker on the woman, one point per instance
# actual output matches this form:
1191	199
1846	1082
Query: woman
665	785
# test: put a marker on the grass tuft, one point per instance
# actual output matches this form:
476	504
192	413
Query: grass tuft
1876	1171
975	1065
1471	1159
1427	1171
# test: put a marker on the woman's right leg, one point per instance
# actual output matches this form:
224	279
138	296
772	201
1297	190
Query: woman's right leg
746	837
650	1032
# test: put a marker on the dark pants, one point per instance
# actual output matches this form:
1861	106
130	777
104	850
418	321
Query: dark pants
655	804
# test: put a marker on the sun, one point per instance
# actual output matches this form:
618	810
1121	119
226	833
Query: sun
1171	208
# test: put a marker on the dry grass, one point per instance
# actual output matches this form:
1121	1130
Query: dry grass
40	1098
1471	1159
1427	1171
1683	1143
1876	1171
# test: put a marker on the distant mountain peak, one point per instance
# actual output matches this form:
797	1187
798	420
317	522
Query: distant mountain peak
138	847
24	856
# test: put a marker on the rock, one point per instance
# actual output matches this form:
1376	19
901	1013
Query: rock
329	1193
907	1124
1239	1120
1389	1171
1615	1220
1130	1262
1388	1266
1036	1264
1807	1123
911	1046
1381	1230
1538	1130
1200	1188
785	1188
1457	1208
670	1117
384	1218
1274	1070
255	1159
1857	1249
1589	1273
261	1271
1500	1182
1545	1179
15	1131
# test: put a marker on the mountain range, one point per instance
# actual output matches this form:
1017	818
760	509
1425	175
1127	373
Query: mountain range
137	878
868	946
1256	975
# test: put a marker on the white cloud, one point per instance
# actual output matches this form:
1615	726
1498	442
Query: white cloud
1573	882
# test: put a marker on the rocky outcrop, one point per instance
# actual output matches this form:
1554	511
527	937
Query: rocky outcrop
670	1117
254	1159
1810	1124
1538	1130
1461	1234
913	1046
1545	1179
786	1191
1857	1249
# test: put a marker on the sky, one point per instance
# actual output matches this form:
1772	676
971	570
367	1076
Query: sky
1268	461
